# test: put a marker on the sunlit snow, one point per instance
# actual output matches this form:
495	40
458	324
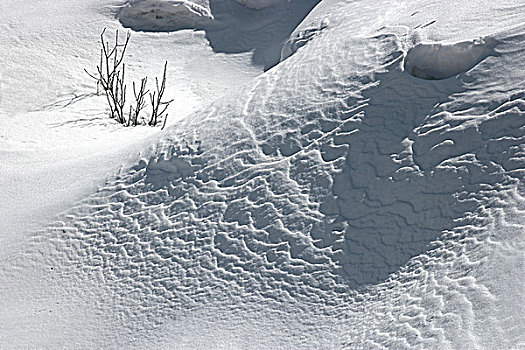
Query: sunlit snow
333	175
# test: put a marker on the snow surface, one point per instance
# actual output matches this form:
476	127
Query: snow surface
333	202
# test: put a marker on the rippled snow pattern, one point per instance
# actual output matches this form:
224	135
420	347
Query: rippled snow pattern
372	191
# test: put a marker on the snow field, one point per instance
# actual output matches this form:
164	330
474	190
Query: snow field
58	144
335	201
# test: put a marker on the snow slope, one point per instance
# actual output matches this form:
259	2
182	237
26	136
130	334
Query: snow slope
336	201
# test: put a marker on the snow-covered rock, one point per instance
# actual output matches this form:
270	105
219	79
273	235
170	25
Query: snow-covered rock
165	15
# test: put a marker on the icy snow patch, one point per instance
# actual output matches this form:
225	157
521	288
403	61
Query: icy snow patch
156	15
440	61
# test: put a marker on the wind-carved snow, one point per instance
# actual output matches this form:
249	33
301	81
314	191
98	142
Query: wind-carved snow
164	170
301	37
441	61
335	202
332	203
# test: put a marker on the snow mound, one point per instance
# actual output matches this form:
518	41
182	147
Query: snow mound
440	61
156	15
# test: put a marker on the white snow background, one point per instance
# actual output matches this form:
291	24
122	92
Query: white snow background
334	175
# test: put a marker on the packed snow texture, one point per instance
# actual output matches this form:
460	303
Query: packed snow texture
333	202
441	61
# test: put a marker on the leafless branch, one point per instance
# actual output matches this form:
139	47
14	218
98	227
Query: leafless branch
158	106
110	74
140	102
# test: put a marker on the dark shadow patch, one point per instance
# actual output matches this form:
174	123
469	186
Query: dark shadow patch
164	171
230	27
401	188
239	29
161	172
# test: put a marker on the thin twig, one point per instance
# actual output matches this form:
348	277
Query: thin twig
140	102
156	99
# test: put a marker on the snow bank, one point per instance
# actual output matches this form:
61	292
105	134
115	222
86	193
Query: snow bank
440	61
157	15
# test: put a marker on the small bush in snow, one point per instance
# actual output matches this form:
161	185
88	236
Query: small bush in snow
110	77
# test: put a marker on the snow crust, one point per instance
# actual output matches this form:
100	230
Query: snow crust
332	202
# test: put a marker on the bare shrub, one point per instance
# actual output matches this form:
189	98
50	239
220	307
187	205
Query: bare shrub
110	76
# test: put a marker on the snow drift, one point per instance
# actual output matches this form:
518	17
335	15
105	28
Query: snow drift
301	36
332	202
